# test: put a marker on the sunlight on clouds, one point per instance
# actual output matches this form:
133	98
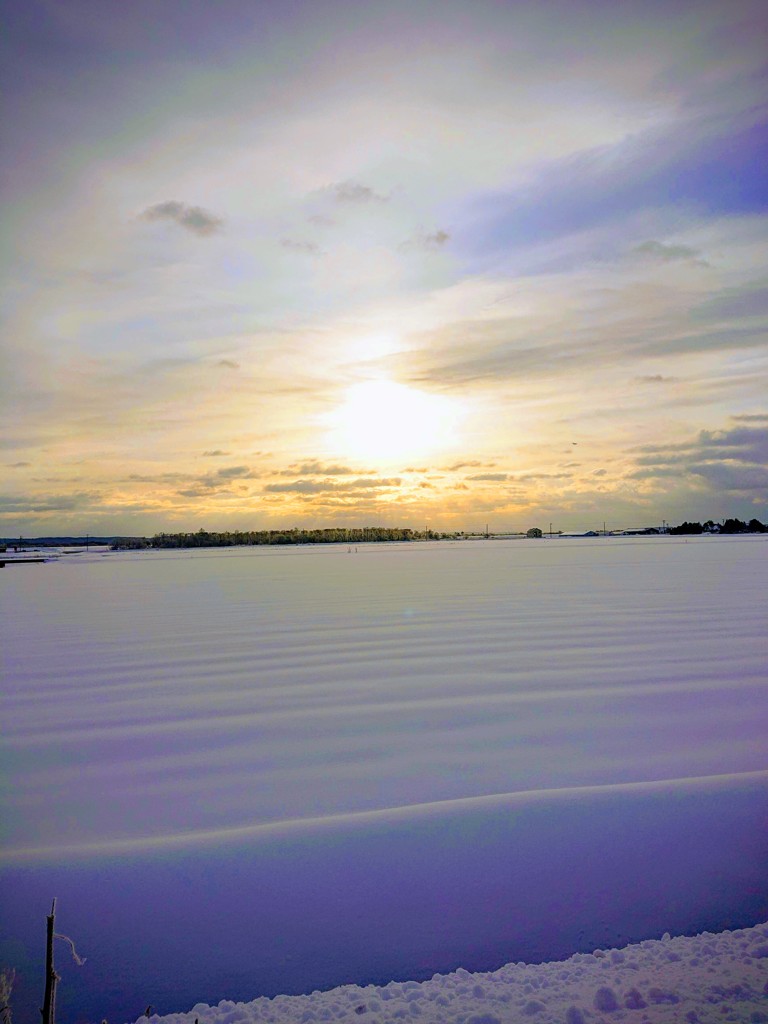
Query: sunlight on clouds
381	419
376	345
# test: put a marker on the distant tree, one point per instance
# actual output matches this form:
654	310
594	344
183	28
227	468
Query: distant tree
733	526
534	532
692	528
755	526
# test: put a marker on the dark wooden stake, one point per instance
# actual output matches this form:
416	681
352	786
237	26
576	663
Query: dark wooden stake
51	977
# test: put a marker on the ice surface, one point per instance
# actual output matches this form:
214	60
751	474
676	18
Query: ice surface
259	771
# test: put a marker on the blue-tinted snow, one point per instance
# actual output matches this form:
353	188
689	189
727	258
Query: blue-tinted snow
708	977
245	772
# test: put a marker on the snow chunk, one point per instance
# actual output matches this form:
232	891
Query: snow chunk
574	1015
633	1000
605	1000
532	1007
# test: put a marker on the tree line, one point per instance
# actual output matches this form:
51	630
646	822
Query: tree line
363	535
727	526
234	538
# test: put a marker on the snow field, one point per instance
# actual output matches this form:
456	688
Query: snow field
251	772
703	979
154	695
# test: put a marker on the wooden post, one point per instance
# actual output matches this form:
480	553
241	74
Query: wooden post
51	977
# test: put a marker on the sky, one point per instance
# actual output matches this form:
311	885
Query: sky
330	263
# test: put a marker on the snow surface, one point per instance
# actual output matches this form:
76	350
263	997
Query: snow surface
157	695
256	771
698	980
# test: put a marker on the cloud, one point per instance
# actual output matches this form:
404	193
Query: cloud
528	477
232	472
210	483
314	468
464	465
749	301
653	378
489	476
328	486
661	253
760	417
228	364
145	478
192	218
488	361
195	492
26	504
659	472
748	443
570	333
741	479
423	242
18	465
677	340
301	247
355	193
728	460
215	453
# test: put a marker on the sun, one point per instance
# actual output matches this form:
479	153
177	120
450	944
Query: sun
386	421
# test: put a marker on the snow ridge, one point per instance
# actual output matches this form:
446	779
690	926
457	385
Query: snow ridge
695	980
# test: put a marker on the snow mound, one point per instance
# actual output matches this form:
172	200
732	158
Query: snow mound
699	980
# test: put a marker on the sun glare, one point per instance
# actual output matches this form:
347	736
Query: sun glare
380	419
